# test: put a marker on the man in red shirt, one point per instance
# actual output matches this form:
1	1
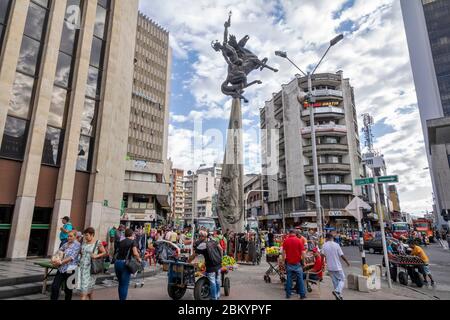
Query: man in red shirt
293	253
316	271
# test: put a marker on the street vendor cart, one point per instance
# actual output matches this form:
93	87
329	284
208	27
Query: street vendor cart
183	276
410	264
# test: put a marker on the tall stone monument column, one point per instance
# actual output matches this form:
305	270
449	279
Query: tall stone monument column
241	62
230	201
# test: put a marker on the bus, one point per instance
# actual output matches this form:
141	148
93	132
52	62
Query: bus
400	229
423	225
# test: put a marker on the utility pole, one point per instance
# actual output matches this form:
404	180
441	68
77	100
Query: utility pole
383	235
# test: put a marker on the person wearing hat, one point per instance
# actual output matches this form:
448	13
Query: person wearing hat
316	273
65	229
293	253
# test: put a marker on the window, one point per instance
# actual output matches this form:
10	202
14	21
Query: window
84	150
28	56
22	92
52	146
63	69
14	138
93	88
15	135
57	107
331	179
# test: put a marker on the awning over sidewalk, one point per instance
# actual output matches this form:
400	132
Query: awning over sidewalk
164	203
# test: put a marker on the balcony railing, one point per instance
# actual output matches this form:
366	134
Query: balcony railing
324	111
330	167
327	93
331	187
332	147
336	128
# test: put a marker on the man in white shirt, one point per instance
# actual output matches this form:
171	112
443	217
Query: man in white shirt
333	253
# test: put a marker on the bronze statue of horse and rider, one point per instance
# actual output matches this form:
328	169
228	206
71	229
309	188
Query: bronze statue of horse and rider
241	62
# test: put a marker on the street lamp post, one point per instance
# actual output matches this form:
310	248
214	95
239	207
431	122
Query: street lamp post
311	99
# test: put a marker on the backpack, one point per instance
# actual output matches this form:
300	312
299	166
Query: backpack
214	253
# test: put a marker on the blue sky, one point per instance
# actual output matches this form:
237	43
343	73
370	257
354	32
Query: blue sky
373	55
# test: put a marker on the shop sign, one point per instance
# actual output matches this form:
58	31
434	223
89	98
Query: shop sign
321	104
335	214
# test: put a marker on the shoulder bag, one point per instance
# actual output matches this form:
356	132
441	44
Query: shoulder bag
131	263
97	265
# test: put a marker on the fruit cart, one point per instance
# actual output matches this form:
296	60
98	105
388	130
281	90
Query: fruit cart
410	264
275	267
183	276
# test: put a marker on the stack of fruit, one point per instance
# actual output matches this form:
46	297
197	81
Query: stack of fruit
273	251
228	264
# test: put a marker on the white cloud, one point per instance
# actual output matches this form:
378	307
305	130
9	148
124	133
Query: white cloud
374	56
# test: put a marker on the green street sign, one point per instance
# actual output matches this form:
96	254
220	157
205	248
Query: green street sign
106	203
388	179
365	181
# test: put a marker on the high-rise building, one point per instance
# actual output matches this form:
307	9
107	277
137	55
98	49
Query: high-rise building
147	179
200	189
287	160
428	34
66	81
177	193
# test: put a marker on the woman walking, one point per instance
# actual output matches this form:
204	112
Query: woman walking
91	249
66	266
127	249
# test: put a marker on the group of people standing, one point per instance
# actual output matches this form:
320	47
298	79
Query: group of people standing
80	253
294	251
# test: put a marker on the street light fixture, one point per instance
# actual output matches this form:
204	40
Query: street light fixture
311	99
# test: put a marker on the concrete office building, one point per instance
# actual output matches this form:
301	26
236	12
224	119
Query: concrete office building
147	177
202	195
428	34
338	150
66	82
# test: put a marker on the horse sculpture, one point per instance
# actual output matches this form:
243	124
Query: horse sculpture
241	62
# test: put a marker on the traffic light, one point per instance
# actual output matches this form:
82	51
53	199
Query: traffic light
445	214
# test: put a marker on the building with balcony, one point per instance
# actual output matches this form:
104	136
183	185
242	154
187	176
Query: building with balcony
201	190
147	178
254	196
66	84
287	150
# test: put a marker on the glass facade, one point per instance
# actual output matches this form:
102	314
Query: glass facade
437	13
27	73
93	89
54	138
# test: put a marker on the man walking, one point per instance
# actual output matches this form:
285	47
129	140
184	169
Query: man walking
65	229
333	253
293	253
213	254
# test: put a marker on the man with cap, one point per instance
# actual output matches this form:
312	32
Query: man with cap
316	273
293	253
65	229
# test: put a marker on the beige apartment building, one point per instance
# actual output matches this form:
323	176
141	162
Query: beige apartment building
147	176
66	85
285	120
